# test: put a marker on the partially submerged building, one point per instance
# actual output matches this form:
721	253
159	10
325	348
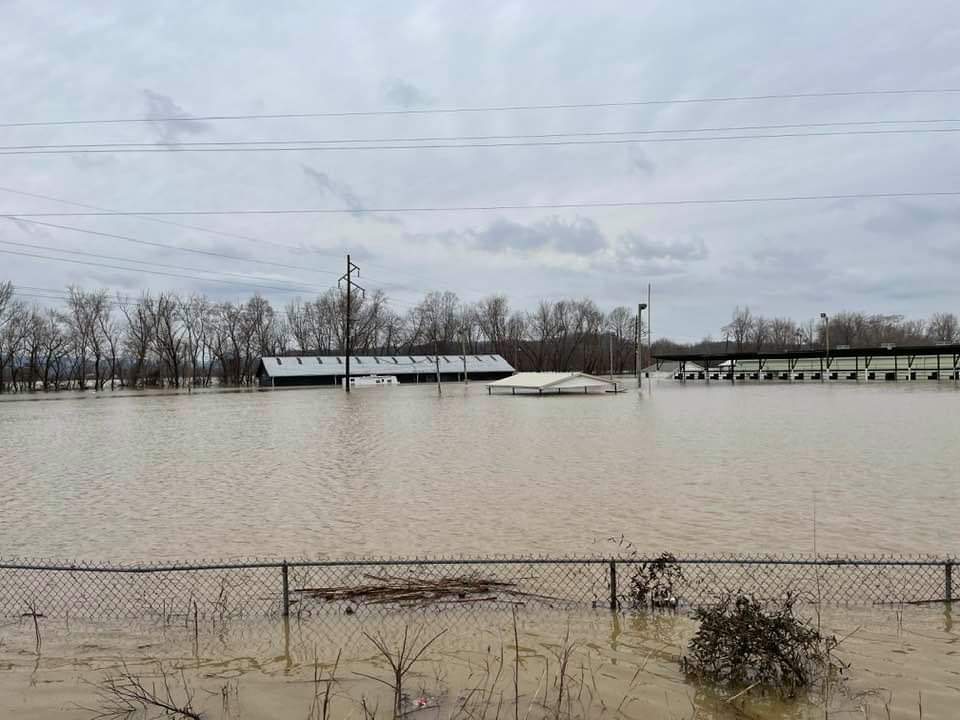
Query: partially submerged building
540	383
278	371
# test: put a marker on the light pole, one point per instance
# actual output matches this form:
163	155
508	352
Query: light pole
826	337
640	308
799	339
826	331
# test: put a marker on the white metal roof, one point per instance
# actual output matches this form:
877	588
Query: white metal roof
553	381
327	365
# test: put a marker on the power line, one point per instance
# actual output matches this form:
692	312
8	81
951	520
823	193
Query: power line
36	246
460	146
126	238
152	272
530	206
458	138
485	109
173	223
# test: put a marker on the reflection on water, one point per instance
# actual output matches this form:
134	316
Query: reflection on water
400	471
621	666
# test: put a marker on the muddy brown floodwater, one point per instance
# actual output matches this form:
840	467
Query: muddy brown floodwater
620	666
397	470
393	471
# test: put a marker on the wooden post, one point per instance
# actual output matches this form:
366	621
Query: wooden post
286	589
613	585
948	582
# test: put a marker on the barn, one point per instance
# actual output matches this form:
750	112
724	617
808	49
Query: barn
278	371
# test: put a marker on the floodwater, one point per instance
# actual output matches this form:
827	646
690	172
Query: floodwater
401	471
620	666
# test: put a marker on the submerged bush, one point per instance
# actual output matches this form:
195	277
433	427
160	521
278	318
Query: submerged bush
654	583
741	643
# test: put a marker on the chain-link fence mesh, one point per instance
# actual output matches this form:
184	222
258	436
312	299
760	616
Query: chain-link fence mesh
220	591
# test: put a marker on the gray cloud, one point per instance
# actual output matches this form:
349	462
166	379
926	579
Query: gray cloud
640	162
859	254
84	161
170	131
635	246
579	236
346	194
910	218
773	260
404	93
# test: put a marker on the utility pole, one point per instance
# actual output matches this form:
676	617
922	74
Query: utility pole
348	278
436	359
649	332
463	350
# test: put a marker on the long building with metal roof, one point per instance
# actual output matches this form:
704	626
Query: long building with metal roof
884	362
278	371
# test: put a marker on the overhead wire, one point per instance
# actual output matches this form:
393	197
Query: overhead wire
517	206
484	109
164	221
36	246
174	148
464	138
173	223
127	238
249	286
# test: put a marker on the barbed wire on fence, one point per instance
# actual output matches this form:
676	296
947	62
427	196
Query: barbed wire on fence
221	590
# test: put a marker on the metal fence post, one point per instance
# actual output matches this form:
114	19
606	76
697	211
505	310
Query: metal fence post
613	585
286	589
948	582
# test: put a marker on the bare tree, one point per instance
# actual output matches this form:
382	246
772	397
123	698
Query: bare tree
740	326
783	333
14	328
138	335
943	327
168	336
759	332
623	324
492	314
195	316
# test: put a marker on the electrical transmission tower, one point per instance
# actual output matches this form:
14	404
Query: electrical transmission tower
347	278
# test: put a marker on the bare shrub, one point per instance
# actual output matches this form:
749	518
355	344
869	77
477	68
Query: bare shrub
654	583
166	695
741	644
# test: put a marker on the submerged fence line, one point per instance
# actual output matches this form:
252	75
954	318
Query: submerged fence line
232	589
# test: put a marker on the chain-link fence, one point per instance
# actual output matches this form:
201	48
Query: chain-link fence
227	591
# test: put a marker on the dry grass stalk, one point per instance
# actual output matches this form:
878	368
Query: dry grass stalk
35	616
321	705
516	668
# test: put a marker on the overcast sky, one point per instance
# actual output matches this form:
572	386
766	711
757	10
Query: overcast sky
90	60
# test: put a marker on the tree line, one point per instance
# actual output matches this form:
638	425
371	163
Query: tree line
748	331
99	340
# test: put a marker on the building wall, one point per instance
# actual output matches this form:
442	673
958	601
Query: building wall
317	380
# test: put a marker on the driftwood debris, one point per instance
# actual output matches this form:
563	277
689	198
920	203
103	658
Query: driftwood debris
383	589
